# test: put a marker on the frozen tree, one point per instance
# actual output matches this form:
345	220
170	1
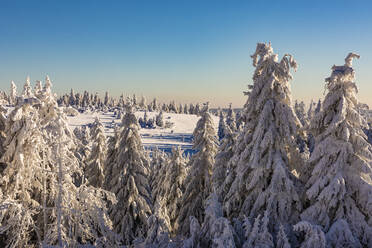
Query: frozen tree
221	126
230	118
143	103
38	89
318	107
27	90
185	109
313	235
216	230
220	168
129	182
13	93
106	101
299	109
340	186
95	163
198	181
197	109
266	150
173	184
72	99
160	119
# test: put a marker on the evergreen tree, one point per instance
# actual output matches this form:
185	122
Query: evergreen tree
160	119
27	90
198	182
266	150
221	126
129	182
230	118
340	185
95	164
13	94
174	184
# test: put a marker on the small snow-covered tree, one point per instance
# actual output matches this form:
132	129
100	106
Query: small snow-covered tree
38	89
221	126
299	109
174	184
266	150
198	181
129	182
13	94
216	230
27	90
221	167
340	186
259	235
95	163
160	119
230	118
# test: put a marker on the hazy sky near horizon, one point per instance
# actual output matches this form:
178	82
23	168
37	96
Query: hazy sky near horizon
186	51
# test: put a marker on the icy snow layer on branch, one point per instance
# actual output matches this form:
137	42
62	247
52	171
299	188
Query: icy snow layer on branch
259	180
340	186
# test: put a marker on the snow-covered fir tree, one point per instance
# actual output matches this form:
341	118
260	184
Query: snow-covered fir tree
299	109
13	94
94	170
198	182
220	168
27	89
230	118
129	182
340	186
266	150
221	126
160	119
174	184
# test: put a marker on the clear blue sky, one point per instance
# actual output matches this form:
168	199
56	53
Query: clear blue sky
183	50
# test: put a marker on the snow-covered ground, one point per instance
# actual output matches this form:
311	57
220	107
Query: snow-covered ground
164	138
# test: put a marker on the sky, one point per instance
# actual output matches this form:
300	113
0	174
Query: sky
187	51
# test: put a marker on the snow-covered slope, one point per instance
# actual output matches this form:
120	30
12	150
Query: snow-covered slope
180	133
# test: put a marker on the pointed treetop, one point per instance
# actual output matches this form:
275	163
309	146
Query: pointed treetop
205	108
264	51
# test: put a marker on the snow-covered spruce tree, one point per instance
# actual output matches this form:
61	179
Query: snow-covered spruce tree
13	94
21	179
94	170
340	185
221	126
173	184
299	109
220	168
129	182
230	118
38	89
159	166
160	119
198	182
258	235
266	150
27	90
216	230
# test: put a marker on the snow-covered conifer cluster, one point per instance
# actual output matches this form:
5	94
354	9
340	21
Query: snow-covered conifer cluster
275	174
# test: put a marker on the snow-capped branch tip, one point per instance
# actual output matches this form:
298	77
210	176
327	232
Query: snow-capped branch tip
349	59
263	50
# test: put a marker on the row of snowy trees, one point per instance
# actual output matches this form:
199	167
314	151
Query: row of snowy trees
88	100
259	186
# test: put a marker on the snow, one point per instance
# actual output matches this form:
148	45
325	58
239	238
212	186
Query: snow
179	134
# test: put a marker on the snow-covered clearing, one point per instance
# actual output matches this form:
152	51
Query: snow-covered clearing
180	133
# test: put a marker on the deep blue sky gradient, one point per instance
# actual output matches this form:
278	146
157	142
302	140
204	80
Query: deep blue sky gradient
183	50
